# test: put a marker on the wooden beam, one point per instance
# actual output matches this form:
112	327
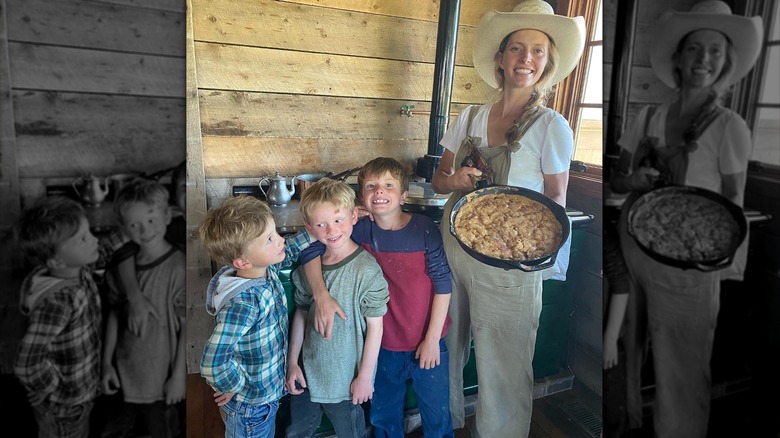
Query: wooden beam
97	25
238	68
95	71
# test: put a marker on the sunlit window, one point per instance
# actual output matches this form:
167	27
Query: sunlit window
766	127
588	141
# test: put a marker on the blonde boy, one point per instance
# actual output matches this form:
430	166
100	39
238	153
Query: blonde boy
149	367
244	360
339	373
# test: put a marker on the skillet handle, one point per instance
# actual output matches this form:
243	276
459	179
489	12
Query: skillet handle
709	268
540	266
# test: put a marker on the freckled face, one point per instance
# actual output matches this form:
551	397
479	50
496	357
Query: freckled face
332	225
80	249
524	58
702	58
382	194
146	224
266	249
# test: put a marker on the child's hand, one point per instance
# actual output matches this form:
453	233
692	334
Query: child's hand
323	316
610	352
223	399
428	354
362	389
138	309
175	388
37	398
362	212
110	380
295	374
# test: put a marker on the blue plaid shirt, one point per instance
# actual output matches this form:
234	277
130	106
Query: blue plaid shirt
247	351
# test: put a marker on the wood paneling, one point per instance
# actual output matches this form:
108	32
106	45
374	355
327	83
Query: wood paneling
98	26
253	157
239	68
95	71
470	11
249	114
288	26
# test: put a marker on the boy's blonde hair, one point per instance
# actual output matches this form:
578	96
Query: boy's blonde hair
45	225
144	191
329	191
227	230
378	167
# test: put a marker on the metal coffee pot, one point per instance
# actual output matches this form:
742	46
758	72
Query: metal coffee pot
277	194
90	190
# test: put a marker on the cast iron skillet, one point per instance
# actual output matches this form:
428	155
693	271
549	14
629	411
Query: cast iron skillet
528	265
704	265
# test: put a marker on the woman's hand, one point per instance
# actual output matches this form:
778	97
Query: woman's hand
462	180
643	179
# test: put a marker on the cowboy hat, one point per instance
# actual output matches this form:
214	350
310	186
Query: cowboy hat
567	33
744	33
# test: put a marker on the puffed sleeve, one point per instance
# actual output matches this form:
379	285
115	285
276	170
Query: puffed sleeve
558	146
735	145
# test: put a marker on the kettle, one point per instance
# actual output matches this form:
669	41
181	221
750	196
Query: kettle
278	194
91	192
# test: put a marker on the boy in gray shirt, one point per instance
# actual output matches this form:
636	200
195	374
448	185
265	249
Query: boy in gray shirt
337	374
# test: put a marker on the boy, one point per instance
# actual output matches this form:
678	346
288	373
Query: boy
58	361
409	249
339	374
244	360
150	366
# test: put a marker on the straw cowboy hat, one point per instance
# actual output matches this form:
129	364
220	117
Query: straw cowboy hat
745	34
567	33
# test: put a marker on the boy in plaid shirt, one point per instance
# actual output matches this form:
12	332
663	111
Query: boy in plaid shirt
244	360
58	361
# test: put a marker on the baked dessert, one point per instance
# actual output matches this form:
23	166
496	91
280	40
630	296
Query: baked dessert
685	227
508	227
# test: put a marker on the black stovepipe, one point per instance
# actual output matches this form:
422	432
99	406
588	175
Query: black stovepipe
446	41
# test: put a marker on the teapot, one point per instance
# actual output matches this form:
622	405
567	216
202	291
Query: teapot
92	193
277	194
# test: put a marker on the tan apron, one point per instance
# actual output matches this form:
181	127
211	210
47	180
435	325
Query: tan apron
499	309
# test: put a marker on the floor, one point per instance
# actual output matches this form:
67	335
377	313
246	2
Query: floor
575	413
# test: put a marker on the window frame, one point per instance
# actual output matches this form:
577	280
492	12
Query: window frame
747	92
568	100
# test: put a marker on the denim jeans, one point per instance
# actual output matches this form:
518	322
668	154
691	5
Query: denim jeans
431	387
244	420
63	422
348	420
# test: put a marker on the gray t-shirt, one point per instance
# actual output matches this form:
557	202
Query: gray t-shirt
358	285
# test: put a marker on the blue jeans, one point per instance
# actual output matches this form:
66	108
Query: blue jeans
431	387
244	420
348	420
63	421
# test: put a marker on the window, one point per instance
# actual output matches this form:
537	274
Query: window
766	124
580	96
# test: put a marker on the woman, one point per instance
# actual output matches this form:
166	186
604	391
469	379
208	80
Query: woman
520	142
691	141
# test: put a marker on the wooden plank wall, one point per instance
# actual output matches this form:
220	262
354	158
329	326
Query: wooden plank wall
91	86
302	86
